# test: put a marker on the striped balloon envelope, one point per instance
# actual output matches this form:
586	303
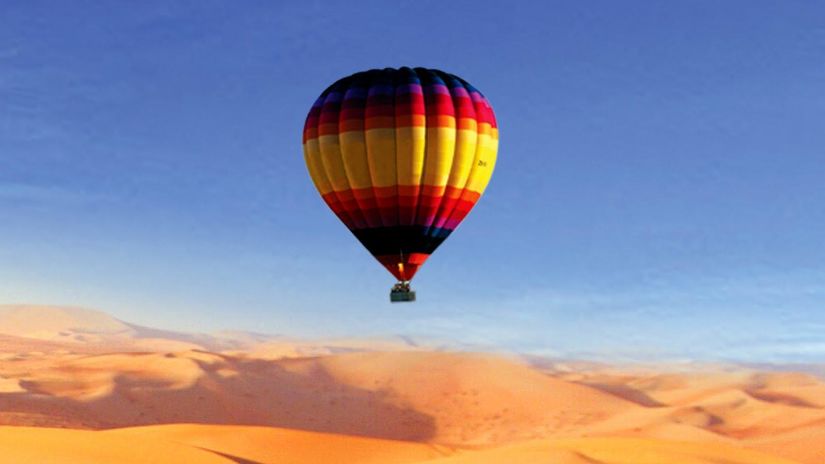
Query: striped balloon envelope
401	156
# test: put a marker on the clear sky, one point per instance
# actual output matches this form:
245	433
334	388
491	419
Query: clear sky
660	190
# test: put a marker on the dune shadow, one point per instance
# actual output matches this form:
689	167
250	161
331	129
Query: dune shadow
626	393
296	394
231	457
780	398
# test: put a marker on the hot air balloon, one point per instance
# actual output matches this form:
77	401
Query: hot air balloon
401	156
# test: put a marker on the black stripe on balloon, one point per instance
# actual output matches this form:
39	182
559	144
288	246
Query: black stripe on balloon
383	241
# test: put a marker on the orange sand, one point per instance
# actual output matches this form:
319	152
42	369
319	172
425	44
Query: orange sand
82	387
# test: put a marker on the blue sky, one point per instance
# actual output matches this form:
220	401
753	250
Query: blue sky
659	191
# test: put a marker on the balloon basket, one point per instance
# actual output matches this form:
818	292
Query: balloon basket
401	293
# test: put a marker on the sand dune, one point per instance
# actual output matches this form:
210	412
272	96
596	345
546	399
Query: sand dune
475	399
263	445
29	445
295	348
791	388
436	397
283	446
92	328
58	323
805	444
613	451
87	330
379	401
449	399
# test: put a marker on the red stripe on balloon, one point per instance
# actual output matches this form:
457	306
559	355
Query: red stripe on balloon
411	262
409	205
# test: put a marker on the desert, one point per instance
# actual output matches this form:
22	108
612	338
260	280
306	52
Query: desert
79	386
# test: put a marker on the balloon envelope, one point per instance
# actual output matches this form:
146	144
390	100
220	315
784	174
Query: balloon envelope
401	156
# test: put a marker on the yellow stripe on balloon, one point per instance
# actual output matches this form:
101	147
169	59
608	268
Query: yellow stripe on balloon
465	151
312	157
485	160
440	150
333	163
354	155
380	151
411	142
